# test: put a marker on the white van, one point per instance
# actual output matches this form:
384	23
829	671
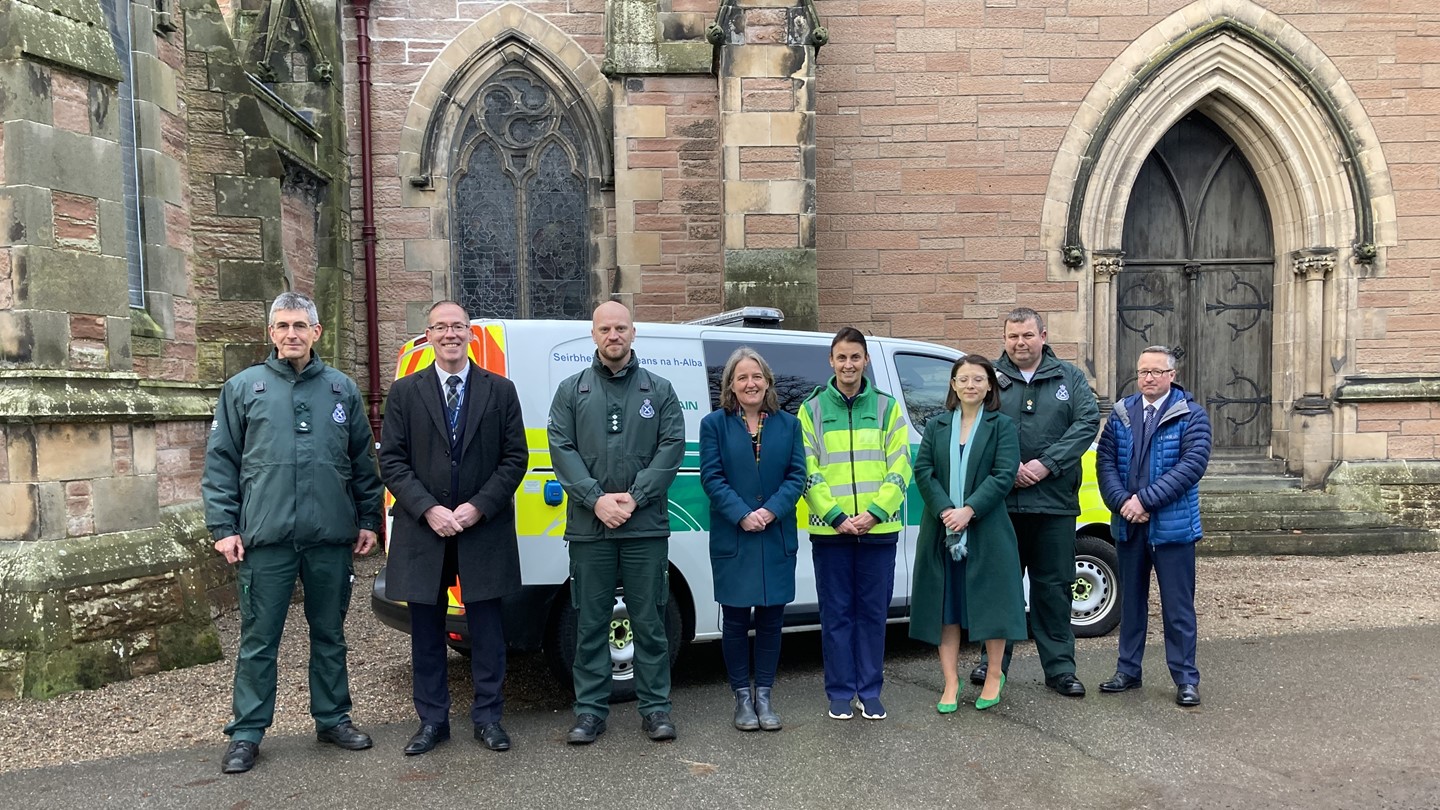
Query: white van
538	355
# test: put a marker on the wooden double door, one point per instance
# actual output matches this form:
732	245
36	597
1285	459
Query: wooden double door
1199	277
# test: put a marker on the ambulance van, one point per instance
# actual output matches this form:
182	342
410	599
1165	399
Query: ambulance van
538	355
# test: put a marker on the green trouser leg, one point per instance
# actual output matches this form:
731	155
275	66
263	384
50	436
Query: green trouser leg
1047	553
328	575
595	568
266	579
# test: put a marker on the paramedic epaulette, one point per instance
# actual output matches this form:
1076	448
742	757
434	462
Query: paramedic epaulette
1002	379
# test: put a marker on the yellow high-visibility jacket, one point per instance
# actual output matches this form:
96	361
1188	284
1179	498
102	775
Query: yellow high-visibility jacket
857	457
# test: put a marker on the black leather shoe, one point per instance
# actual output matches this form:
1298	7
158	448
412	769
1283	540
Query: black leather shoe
239	756
1120	683
658	726
493	736
346	736
426	738
1187	694
1067	685
587	727
977	675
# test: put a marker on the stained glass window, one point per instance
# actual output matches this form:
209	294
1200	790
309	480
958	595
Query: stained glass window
521	233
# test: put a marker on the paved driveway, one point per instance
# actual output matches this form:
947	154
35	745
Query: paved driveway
1341	720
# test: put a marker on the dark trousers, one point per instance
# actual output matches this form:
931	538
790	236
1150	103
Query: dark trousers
1047	553
429	654
596	567
1174	566
854	582
266	580
735	643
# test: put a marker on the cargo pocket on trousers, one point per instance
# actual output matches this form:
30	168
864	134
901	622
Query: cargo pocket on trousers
663	597
243	577
574	591
347	589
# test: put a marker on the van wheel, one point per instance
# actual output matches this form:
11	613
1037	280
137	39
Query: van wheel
1095	594
560	644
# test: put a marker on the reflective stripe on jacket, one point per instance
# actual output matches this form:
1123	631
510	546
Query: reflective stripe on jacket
857	457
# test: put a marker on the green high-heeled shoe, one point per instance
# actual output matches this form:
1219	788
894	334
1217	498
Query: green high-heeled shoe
947	708
982	703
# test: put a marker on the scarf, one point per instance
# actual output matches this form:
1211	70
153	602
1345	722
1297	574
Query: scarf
959	461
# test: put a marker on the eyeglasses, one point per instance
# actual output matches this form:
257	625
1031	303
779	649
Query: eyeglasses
443	328
1146	373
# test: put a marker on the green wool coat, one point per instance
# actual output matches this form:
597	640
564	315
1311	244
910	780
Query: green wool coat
995	600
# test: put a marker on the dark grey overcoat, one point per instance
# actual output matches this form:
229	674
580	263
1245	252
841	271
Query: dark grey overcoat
415	463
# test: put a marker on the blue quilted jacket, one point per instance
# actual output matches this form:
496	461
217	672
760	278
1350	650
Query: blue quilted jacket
1179	453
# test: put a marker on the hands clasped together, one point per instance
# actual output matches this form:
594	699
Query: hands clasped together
448	523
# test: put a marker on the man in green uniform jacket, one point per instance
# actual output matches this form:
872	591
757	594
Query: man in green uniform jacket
1058	418
290	489
617	437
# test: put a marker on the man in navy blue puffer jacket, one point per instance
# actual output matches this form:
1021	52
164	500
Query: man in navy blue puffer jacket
1153	451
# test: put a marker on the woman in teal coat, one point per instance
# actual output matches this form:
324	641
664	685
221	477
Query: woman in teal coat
967	564
752	466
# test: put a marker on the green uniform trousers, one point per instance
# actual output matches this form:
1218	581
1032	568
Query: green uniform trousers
267	581
1047	553
596	567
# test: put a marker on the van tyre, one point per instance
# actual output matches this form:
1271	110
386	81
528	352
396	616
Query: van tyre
560	644
1095	609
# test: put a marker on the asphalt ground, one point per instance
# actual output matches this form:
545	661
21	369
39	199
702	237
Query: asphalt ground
1347	719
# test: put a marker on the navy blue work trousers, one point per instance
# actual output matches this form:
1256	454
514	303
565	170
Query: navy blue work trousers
854	582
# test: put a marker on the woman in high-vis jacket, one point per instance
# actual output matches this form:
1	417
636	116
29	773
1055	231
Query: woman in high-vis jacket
857	463
967	562
752	466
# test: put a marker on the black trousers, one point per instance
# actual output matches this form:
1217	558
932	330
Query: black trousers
429	655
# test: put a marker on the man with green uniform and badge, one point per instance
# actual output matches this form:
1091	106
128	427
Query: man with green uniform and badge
291	491
1058	418
617	437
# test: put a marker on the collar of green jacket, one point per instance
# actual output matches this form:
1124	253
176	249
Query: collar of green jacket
832	392
283	367
604	370
1050	366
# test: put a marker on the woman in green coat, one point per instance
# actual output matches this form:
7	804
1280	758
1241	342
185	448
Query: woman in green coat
967	564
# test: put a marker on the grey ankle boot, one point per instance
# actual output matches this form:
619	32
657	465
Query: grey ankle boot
769	720
745	719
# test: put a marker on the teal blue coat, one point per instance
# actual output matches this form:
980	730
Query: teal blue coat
752	568
994	596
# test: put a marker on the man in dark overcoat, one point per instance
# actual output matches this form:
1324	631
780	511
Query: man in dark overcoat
452	454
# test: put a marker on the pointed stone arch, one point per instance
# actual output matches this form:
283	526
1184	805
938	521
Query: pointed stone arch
508	36
1317	159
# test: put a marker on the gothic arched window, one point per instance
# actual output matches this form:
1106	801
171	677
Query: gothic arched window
520	232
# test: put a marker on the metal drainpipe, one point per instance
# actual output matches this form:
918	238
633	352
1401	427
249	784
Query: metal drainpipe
367	208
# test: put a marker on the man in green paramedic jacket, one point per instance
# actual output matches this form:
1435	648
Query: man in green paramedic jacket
1058	418
617	437
291	490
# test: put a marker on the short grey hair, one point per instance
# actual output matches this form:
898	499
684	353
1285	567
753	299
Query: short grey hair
294	301
1165	350
1023	314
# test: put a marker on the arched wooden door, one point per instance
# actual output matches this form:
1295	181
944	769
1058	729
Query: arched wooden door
1199	277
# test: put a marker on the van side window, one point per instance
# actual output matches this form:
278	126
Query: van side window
924	382
799	368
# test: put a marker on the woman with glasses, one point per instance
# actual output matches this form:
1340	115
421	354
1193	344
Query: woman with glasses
752	466
967	563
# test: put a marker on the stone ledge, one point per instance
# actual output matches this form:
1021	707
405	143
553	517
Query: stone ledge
180	541
1400	472
56	35
34	396
1397	388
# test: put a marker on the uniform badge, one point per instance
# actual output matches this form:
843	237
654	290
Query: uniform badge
1002	379
214	425
647	411
258	387
1063	394
339	413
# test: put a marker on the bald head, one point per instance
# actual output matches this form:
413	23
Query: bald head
613	332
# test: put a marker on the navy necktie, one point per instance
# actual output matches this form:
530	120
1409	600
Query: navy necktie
452	403
1150	412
